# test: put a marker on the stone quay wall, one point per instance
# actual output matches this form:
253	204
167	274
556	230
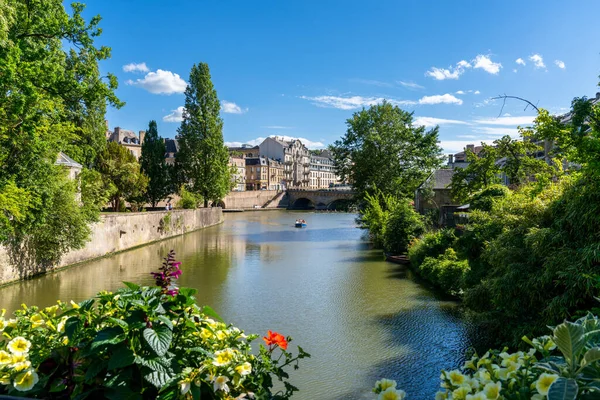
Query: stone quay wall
121	231
249	199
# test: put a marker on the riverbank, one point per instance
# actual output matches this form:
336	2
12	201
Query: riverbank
114	233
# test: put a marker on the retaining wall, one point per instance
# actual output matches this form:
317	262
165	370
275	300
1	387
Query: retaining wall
118	232
250	198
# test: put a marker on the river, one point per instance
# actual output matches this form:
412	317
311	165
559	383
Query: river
360	317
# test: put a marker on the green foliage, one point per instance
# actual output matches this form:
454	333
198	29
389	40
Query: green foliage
382	149
481	172
431	244
445	271
188	200
140	342
484	199
121	174
153	165
374	215
203	160
402	225
53	99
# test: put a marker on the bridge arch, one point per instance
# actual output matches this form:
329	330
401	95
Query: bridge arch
339	205
219	203
303	203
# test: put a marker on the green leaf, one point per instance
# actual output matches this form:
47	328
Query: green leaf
166	321
121	393
110	335
131	286
206	310
94	369
122	357
119	322
158	379
569	339
72	326
592	355
86	305
201	350
159	338
563	389
155	364
187	292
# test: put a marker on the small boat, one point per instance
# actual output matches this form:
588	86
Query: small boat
300	223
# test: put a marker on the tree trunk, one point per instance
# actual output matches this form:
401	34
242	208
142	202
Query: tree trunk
205	202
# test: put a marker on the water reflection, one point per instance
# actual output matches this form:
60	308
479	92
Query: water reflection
360	317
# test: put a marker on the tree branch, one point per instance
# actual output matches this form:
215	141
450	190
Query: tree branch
504	97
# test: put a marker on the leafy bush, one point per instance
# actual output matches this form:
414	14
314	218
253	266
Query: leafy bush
484	199
188	200
431	244
445	271
140	342
563	366
402	225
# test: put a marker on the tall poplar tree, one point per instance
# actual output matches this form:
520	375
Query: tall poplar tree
202	158
154	166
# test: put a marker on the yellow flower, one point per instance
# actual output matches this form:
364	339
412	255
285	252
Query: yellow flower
211	322
65	341
2	324
384	384
61	324
5	358
392	394
244	369
74	305
456	378
51	310
544	382
20	366
36	321
492	390
19	345
441	395
15	359
5	380
220	383
477	396
26	380
223	357
221	335
461	393
470	364
205	334
11	323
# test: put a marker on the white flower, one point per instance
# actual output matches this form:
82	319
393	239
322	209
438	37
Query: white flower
220	383
385	384
185	386
544	382
19	345
392	394
26	380
492	390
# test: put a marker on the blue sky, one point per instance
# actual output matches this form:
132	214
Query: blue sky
301	68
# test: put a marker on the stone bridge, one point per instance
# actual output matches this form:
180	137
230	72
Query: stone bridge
324	199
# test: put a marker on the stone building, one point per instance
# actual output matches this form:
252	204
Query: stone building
171	149
257	173
276	175
439	182
239	176
72	166
245	150
295	158
322	171
127	139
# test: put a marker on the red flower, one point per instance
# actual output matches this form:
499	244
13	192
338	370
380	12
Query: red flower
277	339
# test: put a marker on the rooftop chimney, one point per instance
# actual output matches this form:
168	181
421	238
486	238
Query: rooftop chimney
471	148
450	159
142	136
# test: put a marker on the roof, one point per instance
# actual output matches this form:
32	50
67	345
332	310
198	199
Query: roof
476	151
441	179
242	147
256	161
66	161
171	145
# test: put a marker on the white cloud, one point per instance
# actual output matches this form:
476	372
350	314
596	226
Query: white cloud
133	67
466	136
312	145
160	82
175	116
455	146
497	131
476	92
460	92
507	121
485	63
560	64
515	71
232	108
463	64
372	82
441	73
411	85
538	61
432	121
277	127
520	61
351	103
439	99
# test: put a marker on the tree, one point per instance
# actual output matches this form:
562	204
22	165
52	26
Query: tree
382	148
121	174
52	100
481	172
153	165
202	159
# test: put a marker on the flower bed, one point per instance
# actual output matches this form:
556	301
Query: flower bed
139	343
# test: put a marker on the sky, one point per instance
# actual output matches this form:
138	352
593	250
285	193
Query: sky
302	68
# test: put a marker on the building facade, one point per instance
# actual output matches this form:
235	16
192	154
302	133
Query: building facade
171	149
245	150
257	173
276	175
295	158
239	175
127	139
322	171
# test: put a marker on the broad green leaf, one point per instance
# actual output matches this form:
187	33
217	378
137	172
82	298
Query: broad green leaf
155	364
131	286
563	389
569	339
158	379
86	305
122	357
592	355
187	292
94	369
166	321
201	350
72	326
119	322
206	310
121	393
108	336
159	338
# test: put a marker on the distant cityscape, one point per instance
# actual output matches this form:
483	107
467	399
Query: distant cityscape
275	164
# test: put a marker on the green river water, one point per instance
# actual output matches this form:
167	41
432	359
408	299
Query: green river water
360	317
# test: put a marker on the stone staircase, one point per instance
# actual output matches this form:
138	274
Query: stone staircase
280	200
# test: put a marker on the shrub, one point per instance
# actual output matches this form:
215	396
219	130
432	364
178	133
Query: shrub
445	271
188	200
140	342
431	244
484	199
402	225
